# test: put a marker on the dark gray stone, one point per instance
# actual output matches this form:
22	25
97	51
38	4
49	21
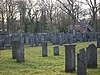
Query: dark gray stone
31	41
98	41
18	48
8	42
92	56
44	49
56	50
70	38
14	49
70	57
20	51
81	62
2	44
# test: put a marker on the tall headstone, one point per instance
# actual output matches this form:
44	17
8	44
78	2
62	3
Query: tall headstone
31	40
69	57
92	56
20	51
98	41
81	62
14	49
8	41
1	44
70	38
56	50
18	48
44	49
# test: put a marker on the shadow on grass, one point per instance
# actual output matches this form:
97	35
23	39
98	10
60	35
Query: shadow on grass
72	72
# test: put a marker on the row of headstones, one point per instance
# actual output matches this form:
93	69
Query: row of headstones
18	48
85	59
5	41
59	38
55	38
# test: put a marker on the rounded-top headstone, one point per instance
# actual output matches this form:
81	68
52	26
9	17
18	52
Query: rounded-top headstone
91	56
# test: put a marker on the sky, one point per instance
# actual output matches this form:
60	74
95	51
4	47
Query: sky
83	6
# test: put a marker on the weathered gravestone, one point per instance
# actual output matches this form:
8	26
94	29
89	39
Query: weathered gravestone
18	48
44	49
81	62
8	41
70	38
14	49
56	50
92	56
27	40
70	57
98	41
31	40
1	44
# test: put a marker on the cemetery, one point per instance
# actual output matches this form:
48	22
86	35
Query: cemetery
49	37
48	55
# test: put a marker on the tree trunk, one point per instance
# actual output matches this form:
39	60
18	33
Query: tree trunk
3	29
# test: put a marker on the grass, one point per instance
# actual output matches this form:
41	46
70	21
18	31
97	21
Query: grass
35	64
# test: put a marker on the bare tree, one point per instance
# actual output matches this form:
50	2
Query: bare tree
11	12
94	8
32	13
22	7
48	7
2	11
71	7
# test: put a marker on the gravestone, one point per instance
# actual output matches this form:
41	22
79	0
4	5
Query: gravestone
31	40
98	41
14	44
81	62
8	42
20	51
44	49
70	38
69	57
56	50
27	40
18	48
1	44
91	56
14	49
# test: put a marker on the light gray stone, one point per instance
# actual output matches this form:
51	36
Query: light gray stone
56	50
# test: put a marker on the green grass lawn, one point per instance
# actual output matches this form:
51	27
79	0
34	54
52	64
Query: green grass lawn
35	64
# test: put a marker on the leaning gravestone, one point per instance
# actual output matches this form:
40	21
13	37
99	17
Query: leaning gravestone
92	56
18	48
70	57
81	62
98	41
56	50
44	49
